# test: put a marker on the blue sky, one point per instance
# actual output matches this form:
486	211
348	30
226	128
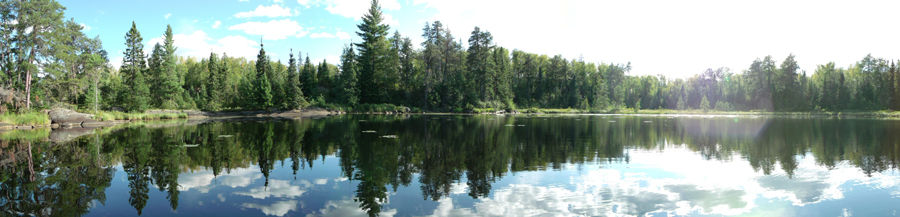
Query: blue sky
674	38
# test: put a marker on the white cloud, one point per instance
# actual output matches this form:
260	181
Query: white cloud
167	15
271	30
199	44
217	24
243	0
301	34
266	11
279	1
321	35
342	35
117	61
333	59
389	19
85	27
279	208
356	8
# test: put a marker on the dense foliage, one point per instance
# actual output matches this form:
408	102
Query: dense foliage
49	62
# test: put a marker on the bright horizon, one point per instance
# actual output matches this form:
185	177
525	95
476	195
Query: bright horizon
675	39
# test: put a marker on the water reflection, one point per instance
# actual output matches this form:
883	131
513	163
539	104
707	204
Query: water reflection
460	166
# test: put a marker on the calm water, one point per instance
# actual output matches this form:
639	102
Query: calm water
356	165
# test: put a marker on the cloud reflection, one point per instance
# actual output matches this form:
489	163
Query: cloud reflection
647	186
205	180
276	188
279	208
347	208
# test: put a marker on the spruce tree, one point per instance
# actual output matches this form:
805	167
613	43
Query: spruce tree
140	94
349	90
276	81
152	77
373	53
481	65
214	95
133	66
308	79
262	88
221	80
295	94
169	85
323	77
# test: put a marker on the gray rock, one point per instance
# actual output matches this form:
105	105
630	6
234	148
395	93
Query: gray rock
65	116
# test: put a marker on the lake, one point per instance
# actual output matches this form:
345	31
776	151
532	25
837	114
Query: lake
461	165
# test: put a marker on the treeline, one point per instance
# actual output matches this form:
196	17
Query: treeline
59	66
867	85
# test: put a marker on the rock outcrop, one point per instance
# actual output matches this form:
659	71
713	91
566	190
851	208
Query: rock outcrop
65	117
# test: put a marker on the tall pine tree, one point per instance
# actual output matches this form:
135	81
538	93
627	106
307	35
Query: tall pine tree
350	90
214	95
169	86
295	94
262	88
481	66
373	53
308	79
134	64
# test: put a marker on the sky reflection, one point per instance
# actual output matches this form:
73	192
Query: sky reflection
646	186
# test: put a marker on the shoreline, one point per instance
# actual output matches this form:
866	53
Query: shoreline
315	112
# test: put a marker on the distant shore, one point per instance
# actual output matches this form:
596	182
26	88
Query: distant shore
106	118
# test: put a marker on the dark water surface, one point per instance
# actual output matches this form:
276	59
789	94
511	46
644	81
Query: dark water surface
482	165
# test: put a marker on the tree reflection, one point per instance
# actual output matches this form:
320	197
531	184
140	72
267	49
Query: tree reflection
39	178
443	151
136	164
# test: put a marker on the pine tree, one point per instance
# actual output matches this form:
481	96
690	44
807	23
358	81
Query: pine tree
308	79
350	90
214	95
154	70
169	85
481	65
277	82
134	65
221	80
373	52
295	94
323	78
140	94
503	88
262	88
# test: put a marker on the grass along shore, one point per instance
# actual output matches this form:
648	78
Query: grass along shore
29	118
36	118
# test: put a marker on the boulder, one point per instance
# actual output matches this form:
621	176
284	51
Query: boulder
65	116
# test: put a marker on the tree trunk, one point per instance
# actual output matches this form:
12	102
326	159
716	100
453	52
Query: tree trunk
28	89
